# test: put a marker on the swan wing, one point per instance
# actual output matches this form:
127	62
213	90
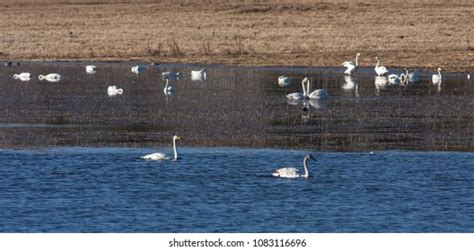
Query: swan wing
155	156
295	96
318	94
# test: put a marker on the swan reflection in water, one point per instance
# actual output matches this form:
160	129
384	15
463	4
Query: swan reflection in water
381	83
350	85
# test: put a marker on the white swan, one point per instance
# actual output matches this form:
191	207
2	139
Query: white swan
299	95
162	156
171	75
24	76
437	78
291	172
351	66
169	90
137	69
395	79
316	94
52	77
284	81
199	75
91	69
380	70
113	90
413	76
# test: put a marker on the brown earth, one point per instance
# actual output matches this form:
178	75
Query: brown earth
403	33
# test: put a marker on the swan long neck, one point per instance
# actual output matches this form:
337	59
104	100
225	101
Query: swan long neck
308	90
304	89
378	62
357	58
174	149
439	73
166	86
306	172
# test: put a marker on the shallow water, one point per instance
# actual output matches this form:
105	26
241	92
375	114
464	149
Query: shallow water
235	106
232	190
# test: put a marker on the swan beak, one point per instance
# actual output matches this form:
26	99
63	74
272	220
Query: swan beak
179	138
311	157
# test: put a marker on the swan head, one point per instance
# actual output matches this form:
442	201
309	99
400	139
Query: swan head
176	137
15	76
309	156
358	54
40	77
439	68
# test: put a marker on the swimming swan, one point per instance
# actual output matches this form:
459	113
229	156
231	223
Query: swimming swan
24	76
413	76
351	66
291	172
284	81
380	70
91	69
162	156
113	90
137	69
52	77
437	77
316	94
299	95
169	90
199	75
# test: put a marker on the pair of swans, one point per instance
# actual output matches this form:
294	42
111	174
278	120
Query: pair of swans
316	94
113	91
162	156
351	65
52	77
291	172
24	76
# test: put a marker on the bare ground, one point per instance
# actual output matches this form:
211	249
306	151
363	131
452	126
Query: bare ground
404	33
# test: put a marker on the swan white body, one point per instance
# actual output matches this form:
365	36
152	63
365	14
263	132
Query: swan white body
52	77
24	76
351	66
91	69
171	75
162	156
137	69
299	95
169	90
316	94
199	75
394	79
291	172
436	78
113	90
284	81
380	70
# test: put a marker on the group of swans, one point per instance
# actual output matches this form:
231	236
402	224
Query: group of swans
307	94
26	76
382	71
286	172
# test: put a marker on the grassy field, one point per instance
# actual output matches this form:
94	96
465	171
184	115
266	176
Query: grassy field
403	33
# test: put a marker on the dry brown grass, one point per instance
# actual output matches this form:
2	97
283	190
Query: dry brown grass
426	33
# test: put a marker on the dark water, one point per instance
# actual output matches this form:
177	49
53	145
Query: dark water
236	106
231	190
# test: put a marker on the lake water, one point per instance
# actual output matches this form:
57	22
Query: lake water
389	158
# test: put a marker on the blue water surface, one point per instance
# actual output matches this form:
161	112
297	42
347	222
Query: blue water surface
232	190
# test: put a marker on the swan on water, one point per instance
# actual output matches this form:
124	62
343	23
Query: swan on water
162	156
52	77
437	77
395	79
113	90
351	66
291	172
413	76
299	95
316	94
284	81
137	69
24	76
169	89
171	75
199	75
91	69
380	70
